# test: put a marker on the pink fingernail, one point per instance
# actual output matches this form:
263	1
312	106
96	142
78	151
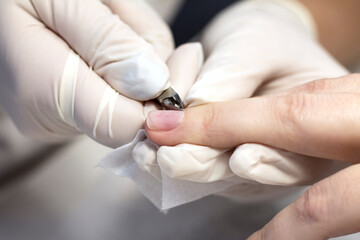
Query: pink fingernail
164	120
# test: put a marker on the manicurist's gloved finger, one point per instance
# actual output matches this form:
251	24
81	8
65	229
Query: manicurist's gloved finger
273	166
184	66
312	124
102	113
328	209
108	44
149	26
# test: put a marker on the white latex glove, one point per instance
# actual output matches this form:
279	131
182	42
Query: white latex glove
80	66
138	161
253	48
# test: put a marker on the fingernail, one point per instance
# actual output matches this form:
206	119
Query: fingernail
164	120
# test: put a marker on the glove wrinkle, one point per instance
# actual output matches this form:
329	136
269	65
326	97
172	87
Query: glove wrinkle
108	101
67	89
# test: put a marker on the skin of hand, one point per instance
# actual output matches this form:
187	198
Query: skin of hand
319	119
82	66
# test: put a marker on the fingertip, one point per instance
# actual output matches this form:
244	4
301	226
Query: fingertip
198	50
164	120
159	138
196	126
162	127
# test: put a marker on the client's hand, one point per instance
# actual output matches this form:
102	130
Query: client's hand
319	119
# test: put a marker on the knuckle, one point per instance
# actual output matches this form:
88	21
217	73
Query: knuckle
314	206
291	110
211	120
317	86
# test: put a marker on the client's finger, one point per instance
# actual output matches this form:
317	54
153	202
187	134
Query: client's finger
316	125
328	209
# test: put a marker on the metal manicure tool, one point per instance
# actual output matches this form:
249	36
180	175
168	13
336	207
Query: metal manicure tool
170	100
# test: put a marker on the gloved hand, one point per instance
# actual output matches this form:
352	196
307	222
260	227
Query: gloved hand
253	48
82	66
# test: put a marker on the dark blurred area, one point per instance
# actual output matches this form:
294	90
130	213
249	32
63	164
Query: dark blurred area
194	16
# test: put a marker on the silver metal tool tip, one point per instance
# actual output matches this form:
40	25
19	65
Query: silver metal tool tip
170	100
